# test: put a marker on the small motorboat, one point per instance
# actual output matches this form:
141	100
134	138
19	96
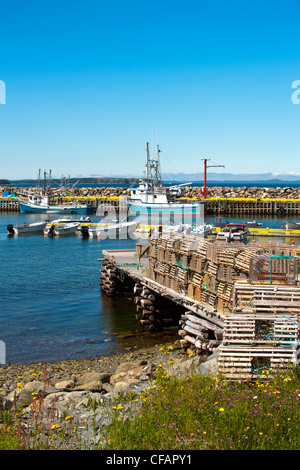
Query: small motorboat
26	228
201	230
233	232
291	225
187	229
62	229
253	224
64	220
122	229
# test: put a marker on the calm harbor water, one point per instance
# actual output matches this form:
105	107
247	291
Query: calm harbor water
51	307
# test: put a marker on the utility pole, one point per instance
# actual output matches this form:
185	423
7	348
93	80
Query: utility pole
205	173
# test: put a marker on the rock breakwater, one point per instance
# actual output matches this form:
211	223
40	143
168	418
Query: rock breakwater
287	192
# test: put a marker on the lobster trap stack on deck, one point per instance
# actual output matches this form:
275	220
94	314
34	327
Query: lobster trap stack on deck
261	335
253	287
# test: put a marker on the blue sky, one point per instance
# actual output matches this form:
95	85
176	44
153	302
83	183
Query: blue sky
89	83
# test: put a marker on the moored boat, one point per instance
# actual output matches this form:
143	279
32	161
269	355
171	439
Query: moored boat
61	229
291	225
26	228
187	229
122	229
62	220
233	232
151	197
40	204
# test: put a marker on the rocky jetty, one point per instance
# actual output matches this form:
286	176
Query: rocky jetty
189	191
88	392
245	192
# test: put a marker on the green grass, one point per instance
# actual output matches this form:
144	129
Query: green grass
204	414
199	413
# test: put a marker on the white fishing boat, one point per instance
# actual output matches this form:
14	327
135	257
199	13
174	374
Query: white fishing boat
26	228
123	229
62	229
151	197
40	204
233	232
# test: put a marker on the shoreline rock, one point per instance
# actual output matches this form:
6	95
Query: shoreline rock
88	391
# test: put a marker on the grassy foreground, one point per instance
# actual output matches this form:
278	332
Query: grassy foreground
199	413
204	413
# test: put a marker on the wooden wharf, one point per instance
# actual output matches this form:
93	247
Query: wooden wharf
242	300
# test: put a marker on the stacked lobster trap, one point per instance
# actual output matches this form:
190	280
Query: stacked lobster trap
253	287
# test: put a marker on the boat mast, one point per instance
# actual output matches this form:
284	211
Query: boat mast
153	174
157	169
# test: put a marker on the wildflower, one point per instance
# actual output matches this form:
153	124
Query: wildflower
20	377
34	374
55	426
221	410
120	407
67	418
19	385
171	362
287	379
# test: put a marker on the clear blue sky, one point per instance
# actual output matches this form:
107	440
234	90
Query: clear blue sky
89	83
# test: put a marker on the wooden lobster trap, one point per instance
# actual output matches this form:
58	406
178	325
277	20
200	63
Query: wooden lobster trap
236	363
274	269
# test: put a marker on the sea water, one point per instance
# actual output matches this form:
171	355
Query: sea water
51	306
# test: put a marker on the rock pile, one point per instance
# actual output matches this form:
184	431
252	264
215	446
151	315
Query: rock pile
189	191
245	192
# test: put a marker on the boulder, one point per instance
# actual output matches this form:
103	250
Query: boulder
65	384
131	370
183	368
91	381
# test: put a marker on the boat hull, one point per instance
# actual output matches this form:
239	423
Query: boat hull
25	206
166	209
